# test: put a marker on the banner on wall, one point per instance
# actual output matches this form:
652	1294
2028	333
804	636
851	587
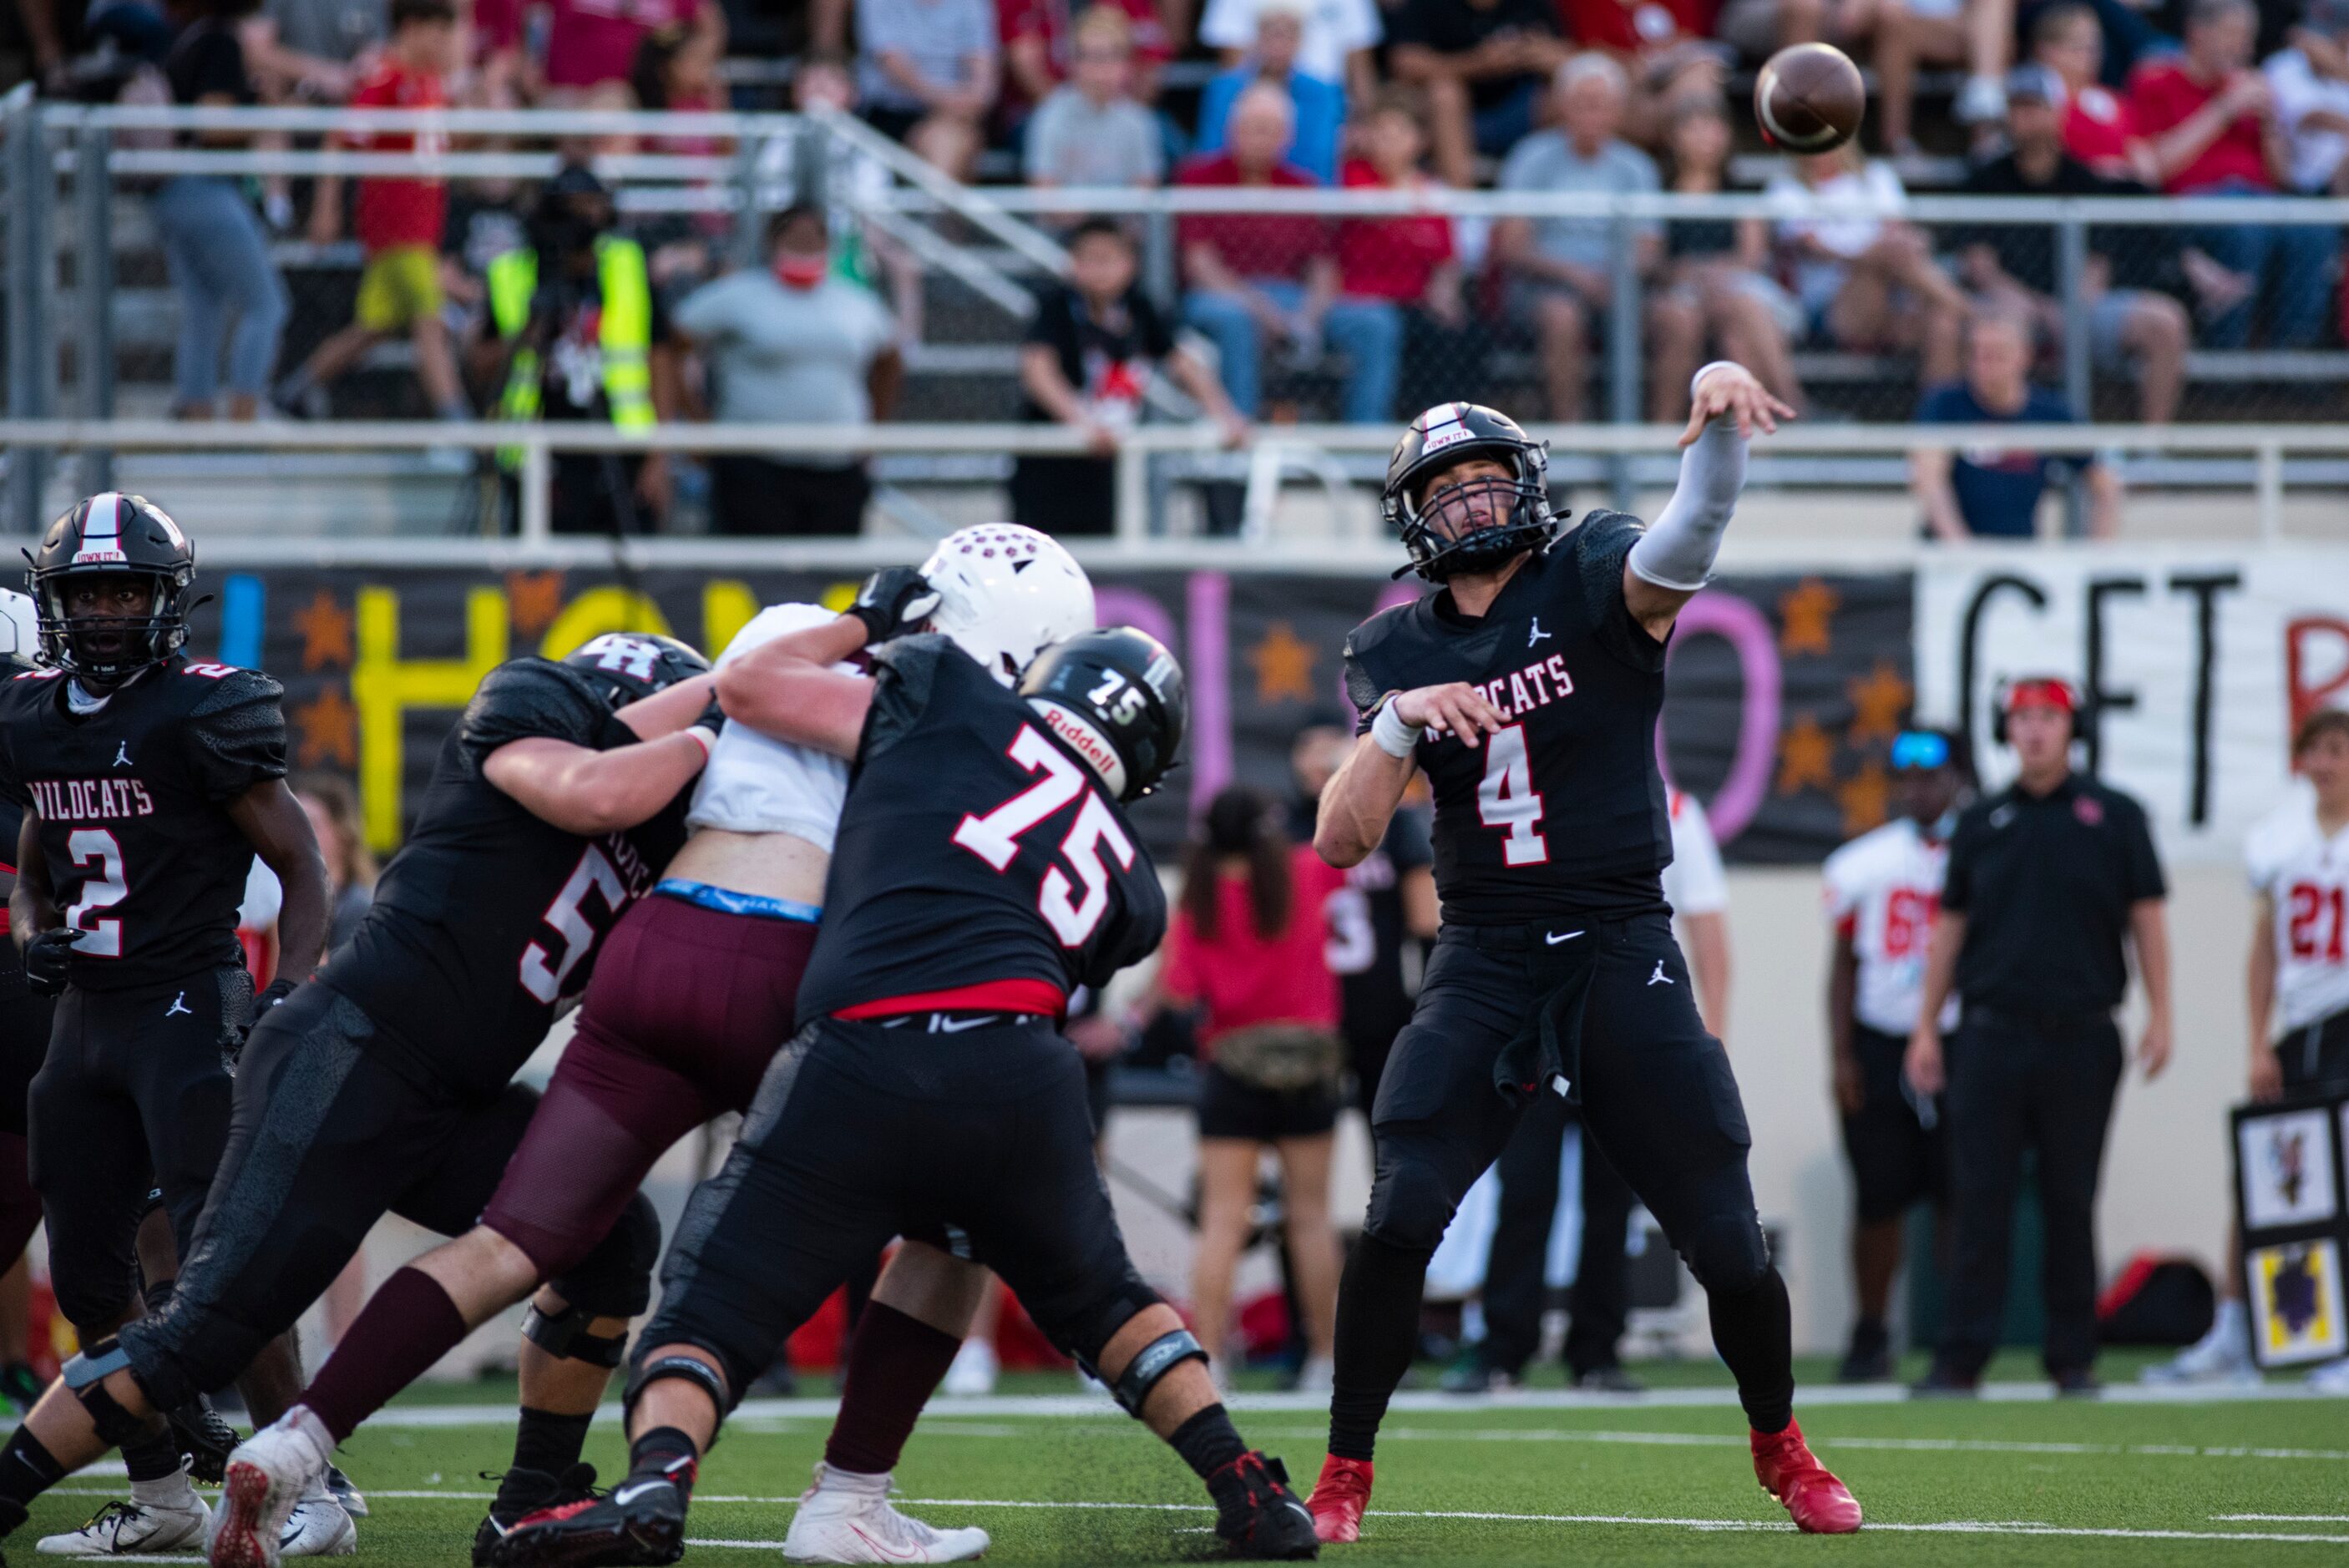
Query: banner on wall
1784	691
2196	665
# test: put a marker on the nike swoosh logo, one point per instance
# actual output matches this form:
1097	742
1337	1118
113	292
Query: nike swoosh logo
628	1494
948	1027
1554	939
883	1550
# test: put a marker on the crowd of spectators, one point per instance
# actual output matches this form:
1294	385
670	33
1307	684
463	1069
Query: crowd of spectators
1362	318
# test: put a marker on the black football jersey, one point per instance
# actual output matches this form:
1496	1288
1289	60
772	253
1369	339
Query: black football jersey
974	848
1563	810
132	800
489	917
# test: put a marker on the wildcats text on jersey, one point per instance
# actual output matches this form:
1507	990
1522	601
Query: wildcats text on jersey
1520	692
89	799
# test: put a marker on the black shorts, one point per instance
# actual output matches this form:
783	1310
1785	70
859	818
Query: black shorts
2315	1056
861	1132
1231	1108
1656	1090
326	1138
132	1099
1900	1155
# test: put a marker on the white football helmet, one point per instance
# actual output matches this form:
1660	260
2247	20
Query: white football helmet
1005	593
20	627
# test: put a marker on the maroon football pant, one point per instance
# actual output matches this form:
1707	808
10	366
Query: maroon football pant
686	1008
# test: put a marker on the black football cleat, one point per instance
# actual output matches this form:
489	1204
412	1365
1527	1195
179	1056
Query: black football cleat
205	1439
522	1492
639	1523
1255	1513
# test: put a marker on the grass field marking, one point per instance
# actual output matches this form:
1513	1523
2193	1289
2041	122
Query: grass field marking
1915	1445
2284	1518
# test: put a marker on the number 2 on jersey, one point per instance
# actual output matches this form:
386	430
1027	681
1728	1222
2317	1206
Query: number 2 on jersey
97	846
568	915
1506	799
994	838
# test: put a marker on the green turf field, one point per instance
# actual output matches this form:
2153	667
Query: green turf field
1998	1481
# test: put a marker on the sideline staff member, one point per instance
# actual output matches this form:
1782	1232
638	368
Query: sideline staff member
2047	880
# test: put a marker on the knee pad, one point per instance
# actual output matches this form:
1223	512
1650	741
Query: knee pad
649	1370
1082	1330
1150	1364
1411	1204
615	1279
85	1376
1728	1253
564	1336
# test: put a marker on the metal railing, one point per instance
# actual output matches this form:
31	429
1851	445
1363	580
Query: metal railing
1277	451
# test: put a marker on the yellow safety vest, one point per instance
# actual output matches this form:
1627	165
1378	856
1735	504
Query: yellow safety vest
624	340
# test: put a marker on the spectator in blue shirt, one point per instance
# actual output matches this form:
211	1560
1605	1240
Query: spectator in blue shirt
1320	106
1986	493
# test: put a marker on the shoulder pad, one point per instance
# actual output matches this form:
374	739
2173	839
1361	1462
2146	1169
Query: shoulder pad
236	729
530	698
222	688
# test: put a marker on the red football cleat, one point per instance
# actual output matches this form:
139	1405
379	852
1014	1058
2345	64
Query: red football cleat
1821	1504
1339	1498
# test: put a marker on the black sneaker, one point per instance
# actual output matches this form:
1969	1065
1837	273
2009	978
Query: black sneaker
640	1523
1942	1383
21	1386
2077	1383
522	1492
1255	1513
205	1439
1609	1379
1869	1359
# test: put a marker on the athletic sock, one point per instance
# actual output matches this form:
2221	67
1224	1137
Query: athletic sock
1207	1441
1754	1332
27	1469
666	1453
152	1458
406	1327
173	1489
548	1443
894	1364
1378	1330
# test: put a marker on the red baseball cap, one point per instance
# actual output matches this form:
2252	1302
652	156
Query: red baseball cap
2042	691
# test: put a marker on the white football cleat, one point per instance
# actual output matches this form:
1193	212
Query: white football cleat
847	1518
973	1371
274	1472
2333	1377
128	1528
2223	1355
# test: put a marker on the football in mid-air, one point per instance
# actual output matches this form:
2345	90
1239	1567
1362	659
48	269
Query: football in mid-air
1809	98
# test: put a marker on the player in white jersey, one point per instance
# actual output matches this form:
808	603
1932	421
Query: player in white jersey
696	990
2298	859
1882	890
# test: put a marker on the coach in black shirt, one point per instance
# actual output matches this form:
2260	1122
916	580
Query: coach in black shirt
2047	880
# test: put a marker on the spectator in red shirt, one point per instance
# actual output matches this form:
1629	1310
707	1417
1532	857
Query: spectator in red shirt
1249	951
1039	48
1665	47
2210	120
2068	40
588	42
399	224
1398	279
1255	276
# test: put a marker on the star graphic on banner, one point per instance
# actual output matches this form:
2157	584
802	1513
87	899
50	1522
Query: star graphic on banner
329	730
1284	666
1806	757
325	628
1866	797
536	598
1877	703
1803	615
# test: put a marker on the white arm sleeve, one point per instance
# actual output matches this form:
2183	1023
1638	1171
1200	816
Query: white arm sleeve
1677	551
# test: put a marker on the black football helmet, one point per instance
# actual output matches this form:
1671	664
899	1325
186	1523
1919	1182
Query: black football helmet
1116	696
633	666
1445	435
112	535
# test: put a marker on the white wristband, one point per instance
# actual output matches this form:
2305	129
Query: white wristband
1395	737
706	736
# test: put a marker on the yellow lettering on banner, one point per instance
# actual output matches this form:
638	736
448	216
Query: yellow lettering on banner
596	612
385	686
726	606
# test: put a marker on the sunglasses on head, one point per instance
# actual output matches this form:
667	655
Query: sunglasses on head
1920	748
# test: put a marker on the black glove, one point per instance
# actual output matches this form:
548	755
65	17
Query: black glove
47	957
713	718
893	600
276	991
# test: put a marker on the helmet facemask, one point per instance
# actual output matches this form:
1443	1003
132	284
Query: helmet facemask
1478	523
105	647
